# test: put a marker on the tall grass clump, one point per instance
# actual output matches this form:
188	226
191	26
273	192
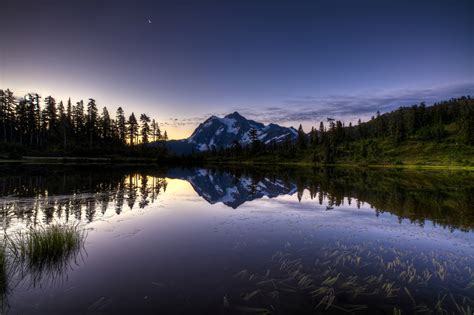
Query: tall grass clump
47	249
5	277
3	272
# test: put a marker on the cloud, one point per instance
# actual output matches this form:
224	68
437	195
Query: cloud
190	121
310	110
353	107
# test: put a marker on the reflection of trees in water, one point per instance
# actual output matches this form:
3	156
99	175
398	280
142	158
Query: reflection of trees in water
446	198
38	199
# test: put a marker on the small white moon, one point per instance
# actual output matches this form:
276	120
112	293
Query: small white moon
149	21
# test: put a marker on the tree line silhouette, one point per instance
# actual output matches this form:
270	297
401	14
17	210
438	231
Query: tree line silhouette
31	125
48	125
451	120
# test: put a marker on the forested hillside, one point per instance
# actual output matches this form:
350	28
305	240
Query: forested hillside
440	134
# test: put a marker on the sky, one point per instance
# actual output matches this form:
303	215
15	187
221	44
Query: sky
286	62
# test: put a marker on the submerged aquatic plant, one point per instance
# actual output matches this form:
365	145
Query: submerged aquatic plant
349	277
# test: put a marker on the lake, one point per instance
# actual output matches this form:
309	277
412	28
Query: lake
245	241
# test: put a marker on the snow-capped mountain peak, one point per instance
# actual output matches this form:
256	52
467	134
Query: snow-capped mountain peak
224	132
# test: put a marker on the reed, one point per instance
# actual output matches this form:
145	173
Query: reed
3	273
48	248
348	277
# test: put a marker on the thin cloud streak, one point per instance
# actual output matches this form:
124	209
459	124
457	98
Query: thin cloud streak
352	107
348	108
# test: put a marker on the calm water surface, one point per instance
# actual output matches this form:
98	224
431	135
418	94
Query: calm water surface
247	241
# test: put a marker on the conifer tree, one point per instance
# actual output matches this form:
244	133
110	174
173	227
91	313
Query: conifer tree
322	133
69	113
105	129
301	140
78	118
132	129
155	130
63	122
92	119
50	115
121	125
145	127
467	124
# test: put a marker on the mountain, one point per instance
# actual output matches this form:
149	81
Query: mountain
232	191
218	133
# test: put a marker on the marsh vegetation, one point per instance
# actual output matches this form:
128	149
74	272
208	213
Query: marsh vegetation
349	277
46	249
38	256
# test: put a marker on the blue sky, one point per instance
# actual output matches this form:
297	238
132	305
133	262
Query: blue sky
274	61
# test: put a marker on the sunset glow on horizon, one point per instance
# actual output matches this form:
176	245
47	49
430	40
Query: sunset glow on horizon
213	58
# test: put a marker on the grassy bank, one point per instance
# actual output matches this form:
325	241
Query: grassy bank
417	163
339	165
77	160
104	161
385	152
376	154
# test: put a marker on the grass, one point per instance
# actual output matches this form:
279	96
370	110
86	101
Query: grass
347	164
46	250
3	274
414	154
351	277
40	254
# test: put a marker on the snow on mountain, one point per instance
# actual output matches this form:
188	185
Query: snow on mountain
224	132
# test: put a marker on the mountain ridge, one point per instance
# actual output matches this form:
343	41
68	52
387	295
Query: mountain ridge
217	133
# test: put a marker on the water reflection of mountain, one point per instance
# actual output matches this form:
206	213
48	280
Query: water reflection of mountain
218	186
444	198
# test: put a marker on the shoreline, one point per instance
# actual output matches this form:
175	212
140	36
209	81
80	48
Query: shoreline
349	165
33	160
